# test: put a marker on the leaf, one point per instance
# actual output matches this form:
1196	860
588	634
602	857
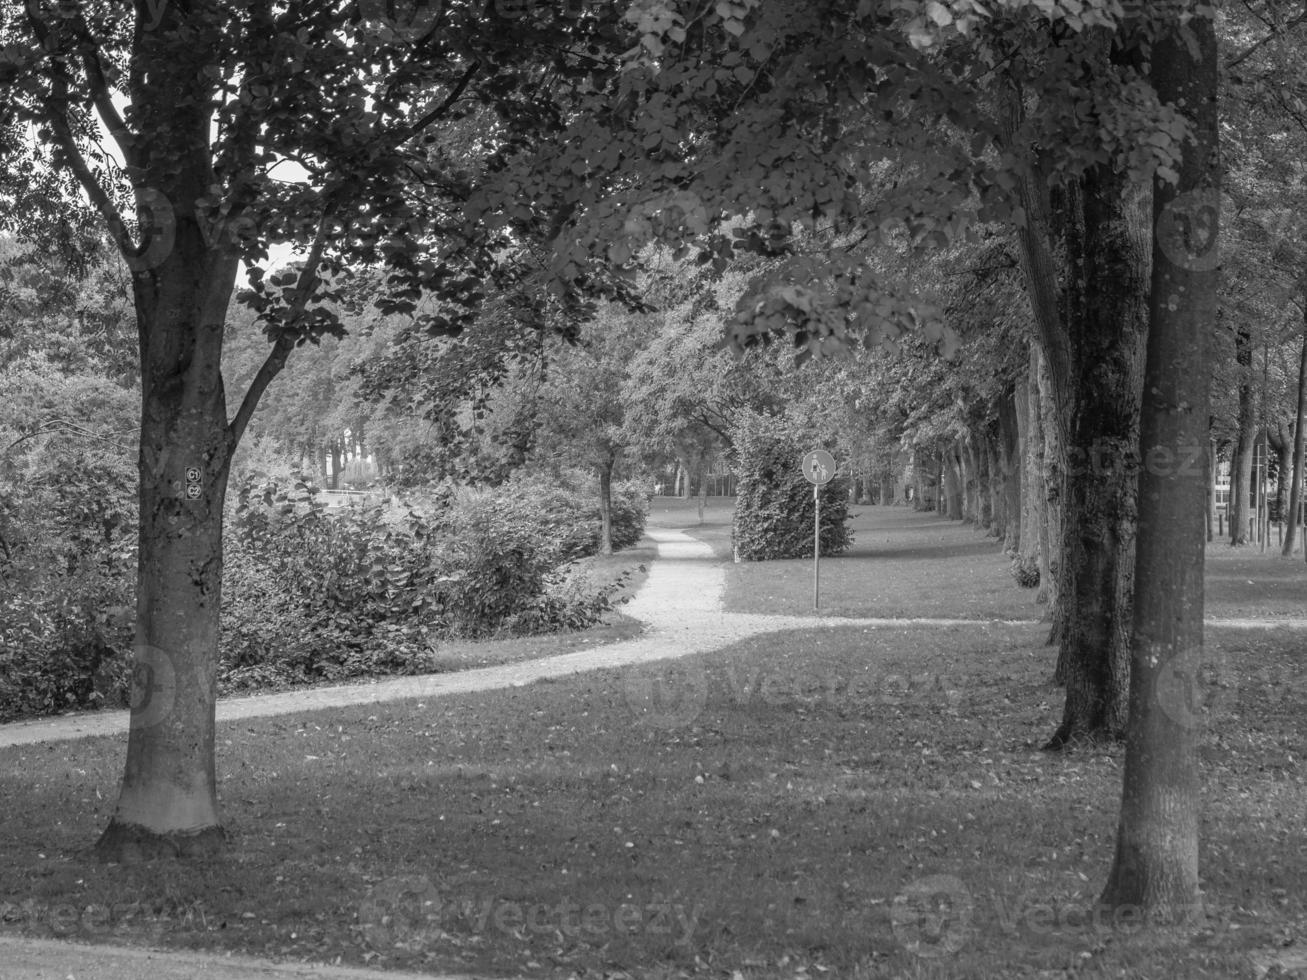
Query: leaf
939	13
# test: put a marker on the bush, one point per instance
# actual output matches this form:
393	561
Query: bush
630	511
1025	571
774	501
67	540
310	594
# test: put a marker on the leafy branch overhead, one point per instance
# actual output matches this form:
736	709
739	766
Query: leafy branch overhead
731	125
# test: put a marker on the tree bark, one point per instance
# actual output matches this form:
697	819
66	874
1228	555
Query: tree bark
1241	469
1089	335
1211	489
966	512
1280	438
167	804
994	486
702	470
1054	469
1156	863
337	464
953	483
1106	317
918	481
605	469
182	283
1010	455
1033	496
1295	492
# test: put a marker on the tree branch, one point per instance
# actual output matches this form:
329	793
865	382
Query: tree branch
100	97
1274	33
55	106
426	120
281	348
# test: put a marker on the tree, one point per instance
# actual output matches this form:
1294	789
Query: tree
1300	419
582	401
382	115
1155	868
787	156
797	130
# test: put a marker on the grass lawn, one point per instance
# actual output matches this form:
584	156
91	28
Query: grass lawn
554	831
863	803
906	564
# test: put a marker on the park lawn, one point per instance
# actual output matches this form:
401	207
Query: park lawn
909	564
902	564
755	819
1244	583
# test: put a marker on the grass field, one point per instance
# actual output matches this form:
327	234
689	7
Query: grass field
904	564
863	803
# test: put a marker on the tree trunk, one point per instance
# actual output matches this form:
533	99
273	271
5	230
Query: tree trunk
965	479
1054	469
167	804
994	487
337	465
1280	438
1211	489
703	485
1155	869
1106	318
900	480
1241	469
1088	523
606	506
1295	493
952	483
979	499
1034	498
1010	464
918	481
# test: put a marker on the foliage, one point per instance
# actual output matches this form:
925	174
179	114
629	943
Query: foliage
313	594
567	504
774	502
67	539
1025	571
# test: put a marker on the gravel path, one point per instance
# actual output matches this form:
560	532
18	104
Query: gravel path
680	603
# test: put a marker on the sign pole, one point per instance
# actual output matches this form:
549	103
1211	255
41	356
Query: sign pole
818	469
816	547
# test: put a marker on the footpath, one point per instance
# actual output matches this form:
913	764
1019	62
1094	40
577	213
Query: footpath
681	604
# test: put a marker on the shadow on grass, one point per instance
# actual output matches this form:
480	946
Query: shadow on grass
814	813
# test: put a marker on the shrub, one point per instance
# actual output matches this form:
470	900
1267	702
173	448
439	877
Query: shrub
567	505
1025	571
67	540
630	511
774	502
311	594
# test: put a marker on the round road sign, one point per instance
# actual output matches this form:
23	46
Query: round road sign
819	467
